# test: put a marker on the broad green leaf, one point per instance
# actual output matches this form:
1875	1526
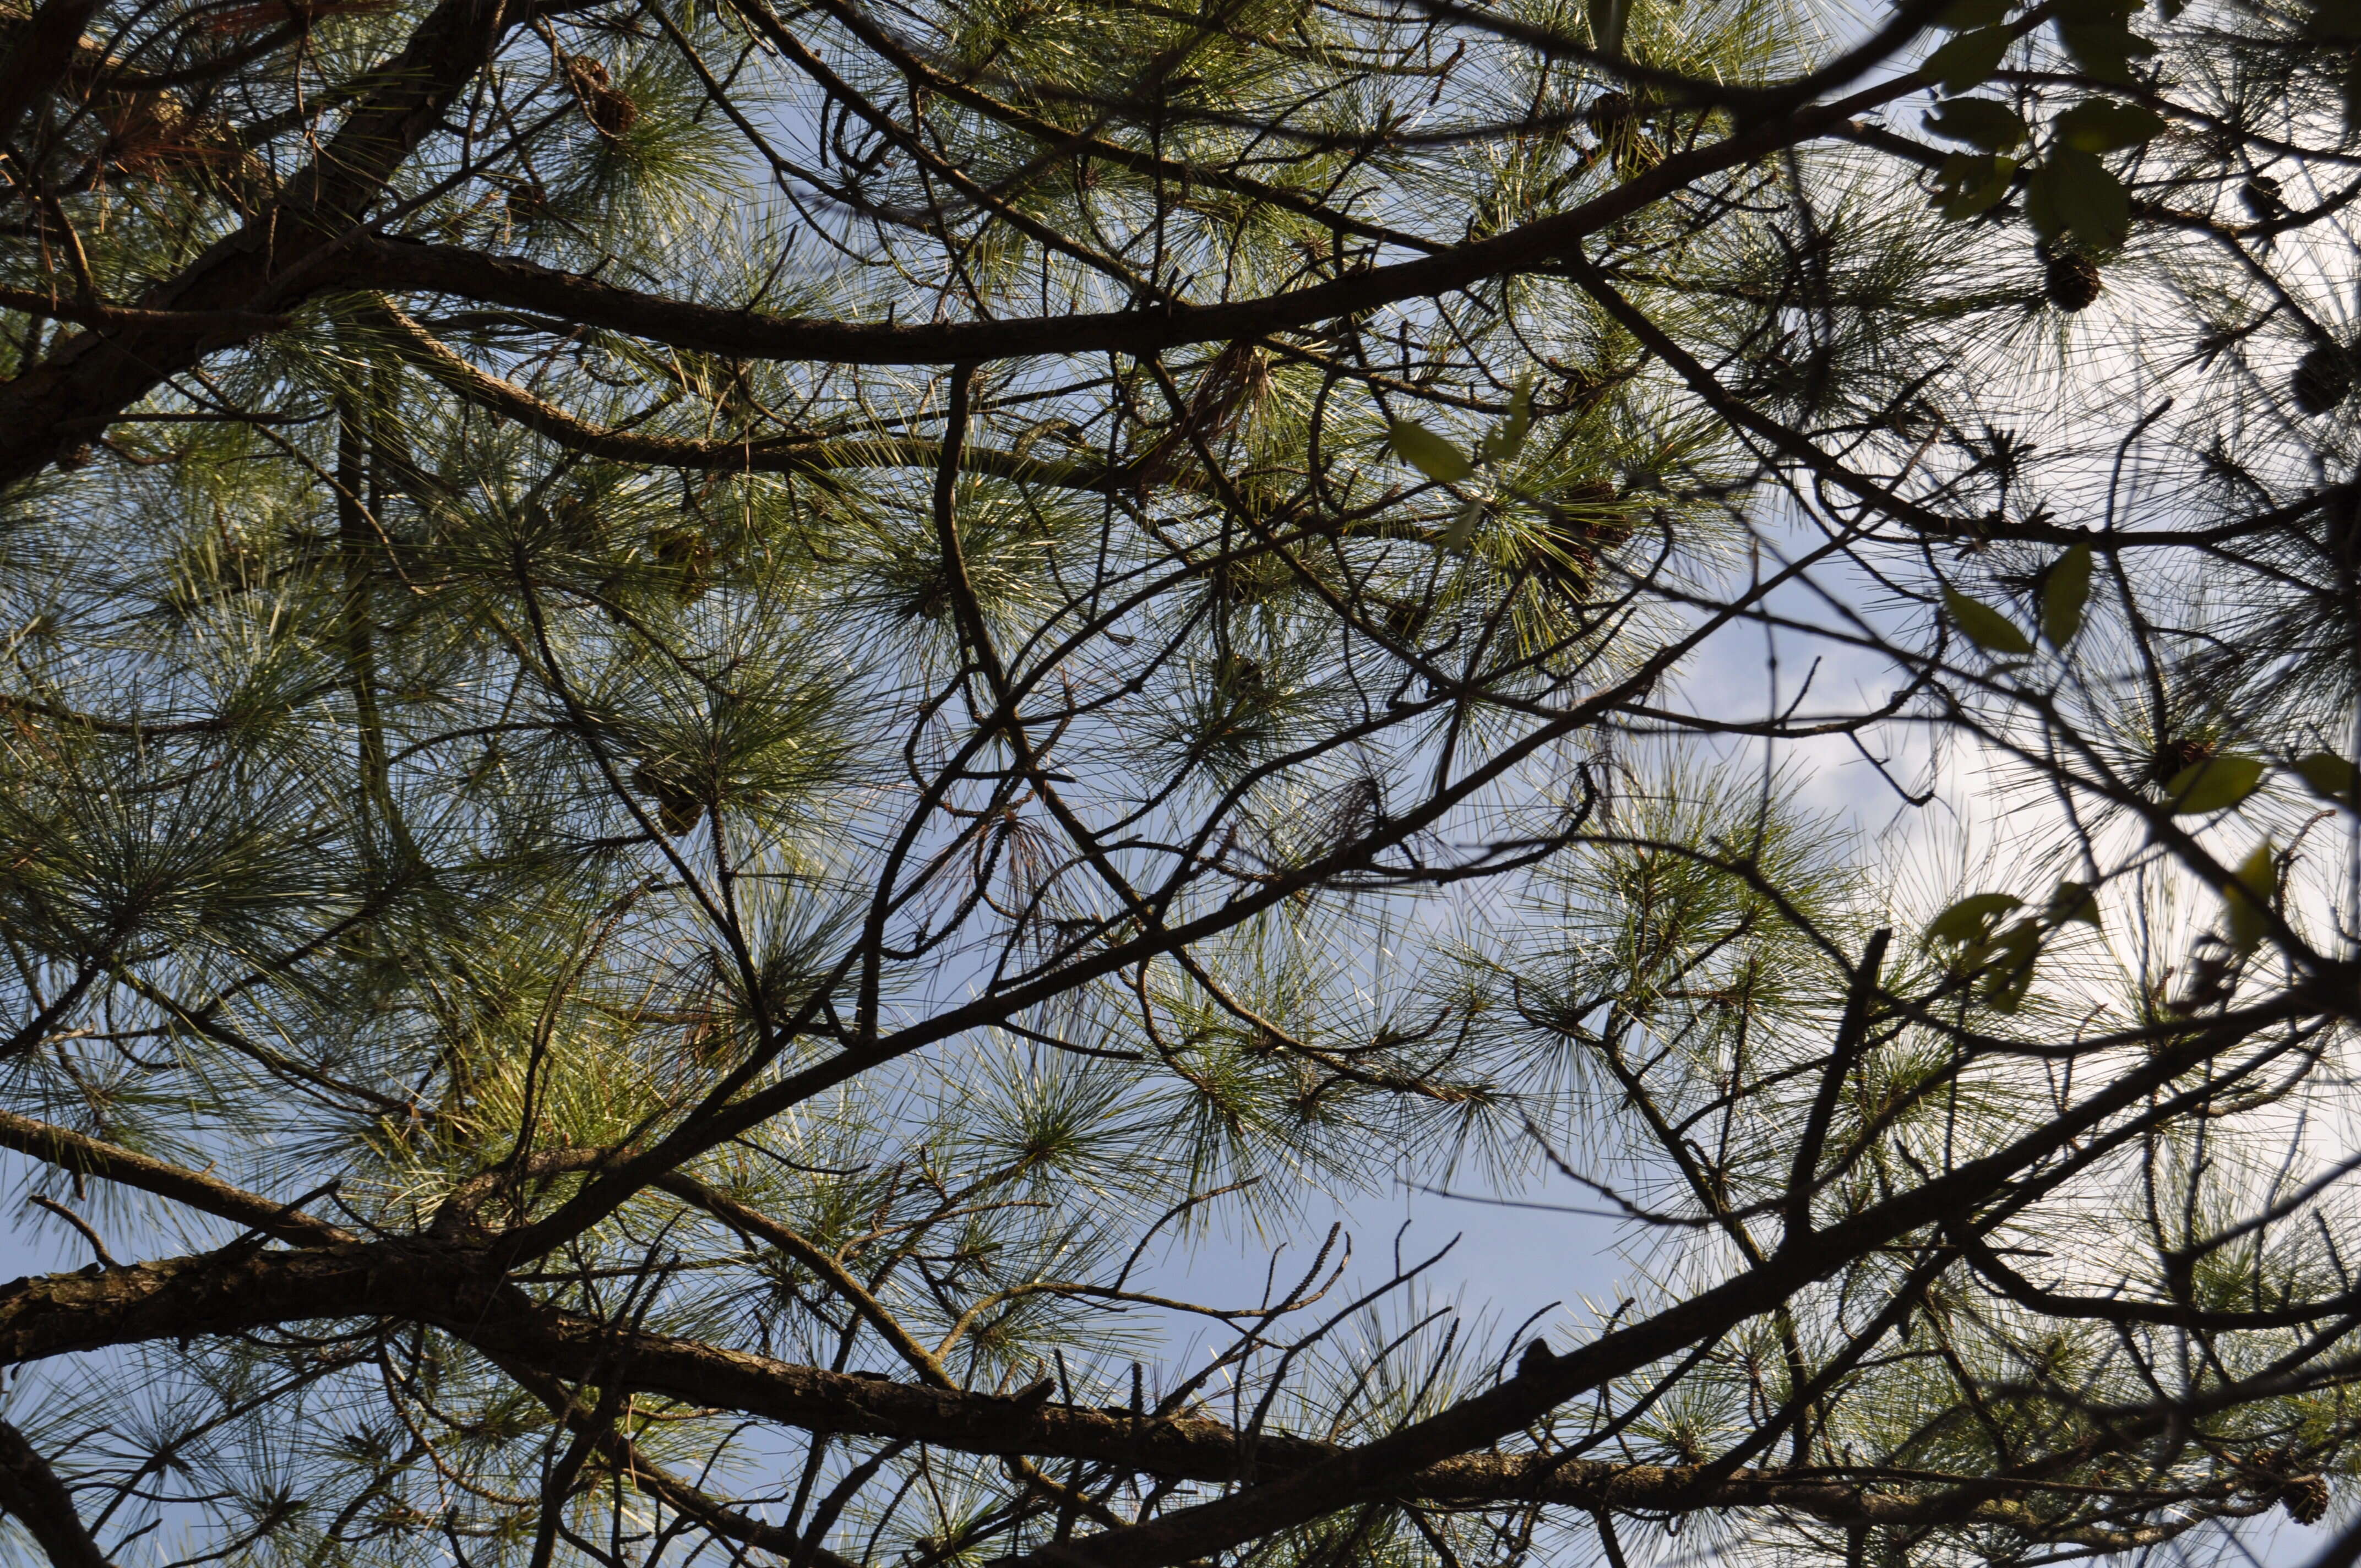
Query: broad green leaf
1968	60
2248	894
2073	192
2021	938
2041	205
2091	200
1970	182
1970	919
2328	774
2102	124
1985	627
2338	21
1429	452
1986	122
2094	13
2063	593
2014	952
2073	901
2008	995
2104	49
2215	784
1507	438
1964	15
1606	19
1462	532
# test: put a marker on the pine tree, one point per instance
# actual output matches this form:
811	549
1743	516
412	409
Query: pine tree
714	708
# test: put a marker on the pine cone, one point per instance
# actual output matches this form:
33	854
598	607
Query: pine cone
1589	521
527	200
2271	1465
2176	753
2073	281
1610	115
686	551
607	107
678	808
2306	1499
2323	379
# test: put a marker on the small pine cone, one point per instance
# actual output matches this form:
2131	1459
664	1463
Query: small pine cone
1614	119
2306	1499
2271	1464
1610	113
685	552
587	76
2175	753
527	200
678	808
614	114
607	107
2323	379
2073	281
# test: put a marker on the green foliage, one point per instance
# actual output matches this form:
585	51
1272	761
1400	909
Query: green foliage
1980	122
2073	192
2248	894
2104	124
2215	784
2328	774
1973	184
1967	60
2065	592
766	944
1985	627
1430	453
1972	919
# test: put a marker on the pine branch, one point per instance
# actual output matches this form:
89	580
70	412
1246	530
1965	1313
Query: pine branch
31	1492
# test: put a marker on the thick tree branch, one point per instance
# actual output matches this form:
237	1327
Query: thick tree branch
226	1292
44	50
270	263
92	1157
767	454
401	266
31	1493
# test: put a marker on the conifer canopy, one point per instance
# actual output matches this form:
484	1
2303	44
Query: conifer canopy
731	725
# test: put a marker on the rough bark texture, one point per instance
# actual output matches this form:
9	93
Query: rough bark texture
452	1289
31	1493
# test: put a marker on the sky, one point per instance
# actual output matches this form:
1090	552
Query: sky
1553	1256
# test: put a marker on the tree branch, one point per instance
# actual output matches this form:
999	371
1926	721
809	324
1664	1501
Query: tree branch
32	1493
768	454
403	265
217	1293
91	1156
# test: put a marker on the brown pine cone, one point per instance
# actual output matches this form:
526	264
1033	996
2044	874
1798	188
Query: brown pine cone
686	551
527	200
679	808
2305	1498
607	107
2073	281
2323	379
1610	115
